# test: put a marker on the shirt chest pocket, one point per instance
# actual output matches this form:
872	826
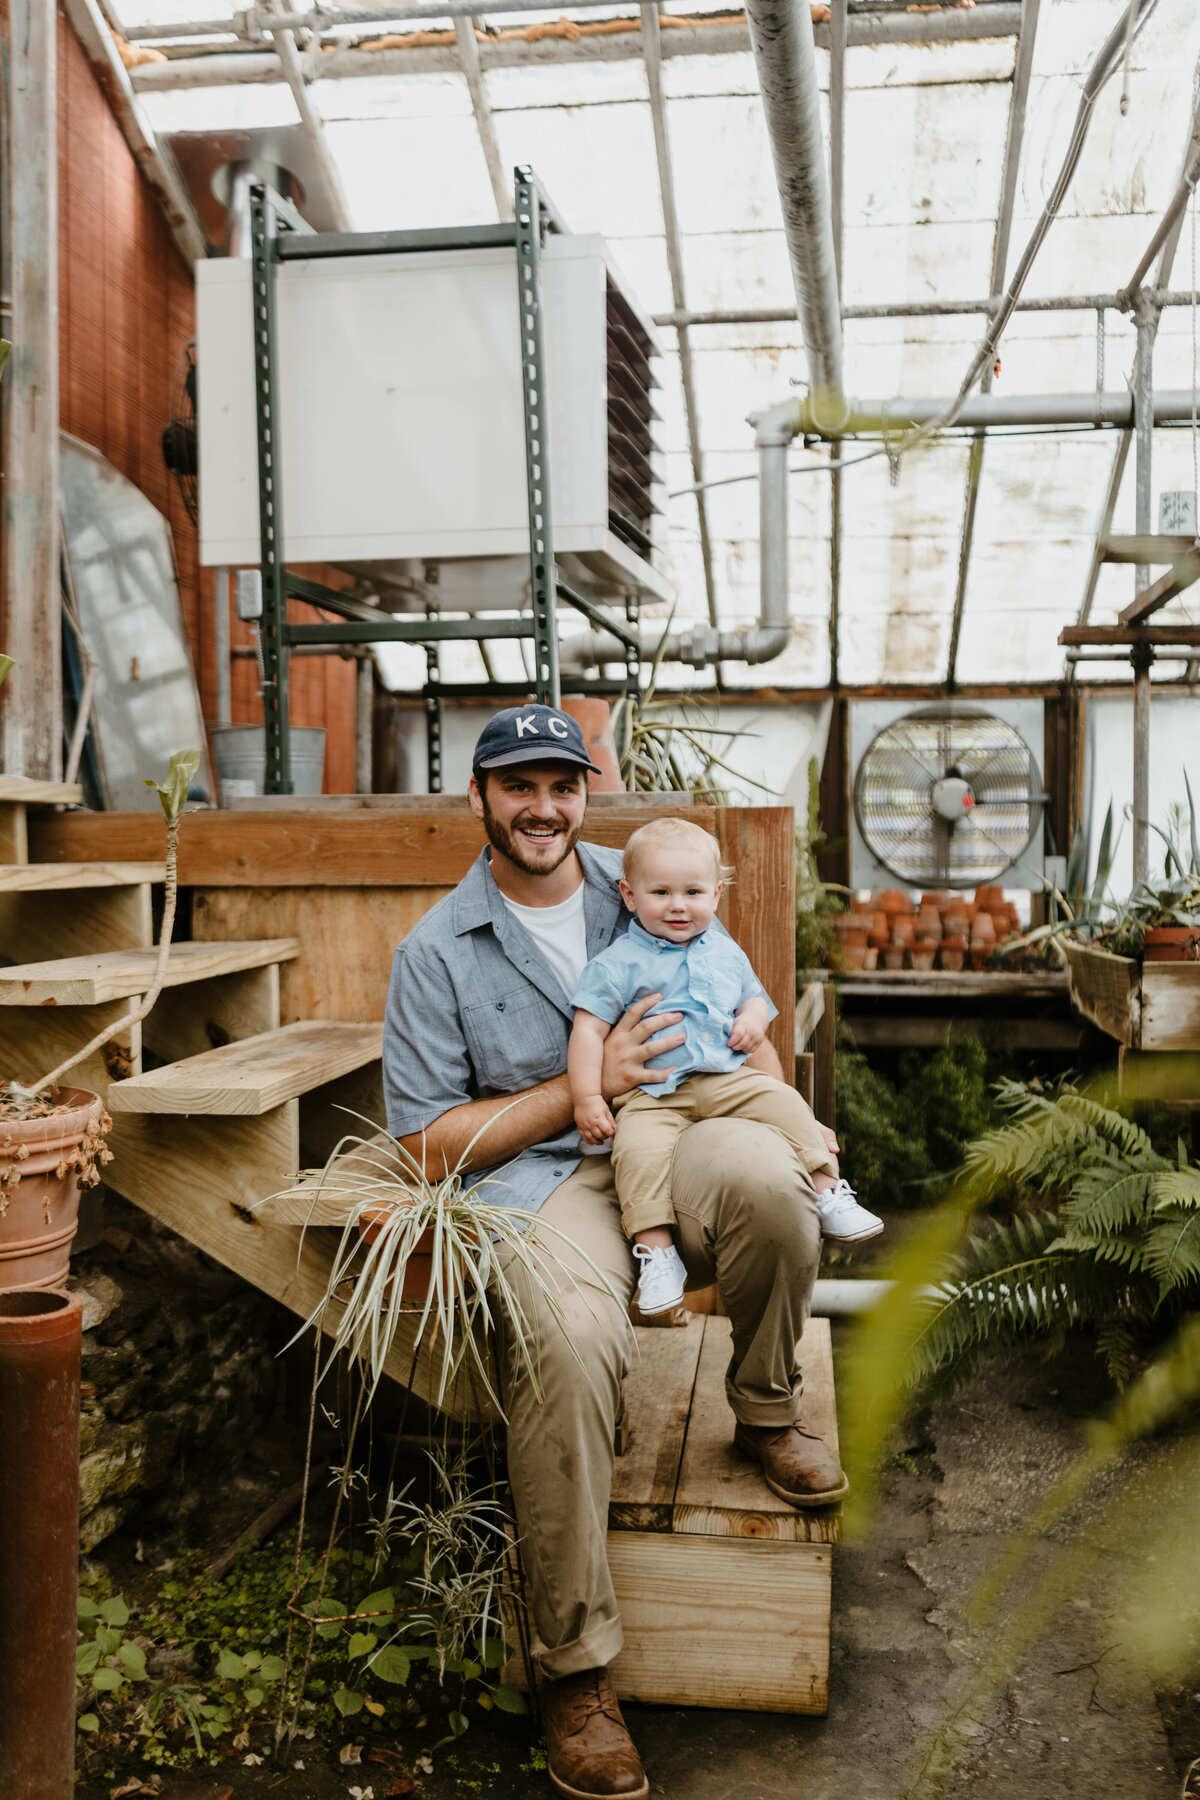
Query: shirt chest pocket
516	1038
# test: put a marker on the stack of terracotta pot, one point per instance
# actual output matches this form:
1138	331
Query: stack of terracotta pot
885	930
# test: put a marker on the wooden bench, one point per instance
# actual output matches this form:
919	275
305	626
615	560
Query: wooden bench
724	1590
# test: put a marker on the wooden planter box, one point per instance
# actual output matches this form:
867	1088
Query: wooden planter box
1145	1006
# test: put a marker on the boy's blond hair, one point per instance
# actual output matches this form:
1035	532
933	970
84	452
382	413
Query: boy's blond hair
669	834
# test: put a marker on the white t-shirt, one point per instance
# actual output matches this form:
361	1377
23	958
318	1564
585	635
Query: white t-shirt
560	933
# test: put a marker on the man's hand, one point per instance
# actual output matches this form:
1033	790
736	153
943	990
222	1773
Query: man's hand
749	1025
594	1121
631	1043
831	1143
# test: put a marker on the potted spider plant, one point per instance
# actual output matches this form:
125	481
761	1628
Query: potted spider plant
52	1136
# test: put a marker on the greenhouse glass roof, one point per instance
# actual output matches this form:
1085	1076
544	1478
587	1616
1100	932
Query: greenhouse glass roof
926	126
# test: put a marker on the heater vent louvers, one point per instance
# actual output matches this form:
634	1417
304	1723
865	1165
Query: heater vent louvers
631	414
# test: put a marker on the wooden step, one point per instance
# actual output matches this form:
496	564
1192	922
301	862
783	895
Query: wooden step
41	878
119	974
40	793
254	1075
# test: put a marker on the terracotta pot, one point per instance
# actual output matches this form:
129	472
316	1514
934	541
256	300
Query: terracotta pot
893	957
923	955
881	931
951	957
895	900
418	1270
44	1165
989	898
871	958
983	931
852	930
865	906
854	955
1171	943
595	720
957	928
904	930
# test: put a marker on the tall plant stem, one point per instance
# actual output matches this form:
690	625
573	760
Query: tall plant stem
160	973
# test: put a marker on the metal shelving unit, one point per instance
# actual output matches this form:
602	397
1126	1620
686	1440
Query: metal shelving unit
279	234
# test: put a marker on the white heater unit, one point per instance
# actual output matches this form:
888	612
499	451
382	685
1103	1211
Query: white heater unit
398	386
947	795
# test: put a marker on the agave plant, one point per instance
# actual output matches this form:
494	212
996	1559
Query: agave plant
488	1262
1107	1233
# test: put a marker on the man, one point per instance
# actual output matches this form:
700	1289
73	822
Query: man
479	1012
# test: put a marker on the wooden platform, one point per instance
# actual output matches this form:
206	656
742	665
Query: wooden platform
254	1075
1145	1006
724	1589
119	974
25	878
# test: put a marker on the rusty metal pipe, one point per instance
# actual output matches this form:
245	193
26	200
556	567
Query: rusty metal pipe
40	1334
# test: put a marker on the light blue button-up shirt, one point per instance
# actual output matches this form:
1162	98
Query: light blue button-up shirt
706	980
474	1009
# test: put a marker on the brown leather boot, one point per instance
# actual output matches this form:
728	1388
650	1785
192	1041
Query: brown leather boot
797	1464
590	1753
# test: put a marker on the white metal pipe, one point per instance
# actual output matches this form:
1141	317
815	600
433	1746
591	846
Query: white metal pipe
1170	406
699	646
221	647
485	123
311	122
781	35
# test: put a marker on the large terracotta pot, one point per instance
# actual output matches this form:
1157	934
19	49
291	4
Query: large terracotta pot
595	721
1171	943
44	1165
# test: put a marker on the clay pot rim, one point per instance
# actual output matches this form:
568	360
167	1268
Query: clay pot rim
61	1126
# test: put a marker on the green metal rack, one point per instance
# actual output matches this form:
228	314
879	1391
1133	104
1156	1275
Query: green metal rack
278	234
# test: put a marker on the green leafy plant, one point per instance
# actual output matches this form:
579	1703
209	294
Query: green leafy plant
105	1660
1105	1232
816	904
666	747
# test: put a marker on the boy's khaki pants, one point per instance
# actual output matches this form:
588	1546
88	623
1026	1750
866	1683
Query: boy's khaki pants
649	1127
746	1218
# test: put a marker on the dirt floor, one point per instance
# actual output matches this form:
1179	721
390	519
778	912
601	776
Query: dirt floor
1075	1720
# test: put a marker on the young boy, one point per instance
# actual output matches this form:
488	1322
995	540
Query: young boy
674	946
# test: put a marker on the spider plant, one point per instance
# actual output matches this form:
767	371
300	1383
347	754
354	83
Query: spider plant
489	1263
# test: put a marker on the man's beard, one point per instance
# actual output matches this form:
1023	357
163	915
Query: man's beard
504	839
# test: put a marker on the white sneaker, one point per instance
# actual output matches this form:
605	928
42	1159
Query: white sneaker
662	1278
843	1218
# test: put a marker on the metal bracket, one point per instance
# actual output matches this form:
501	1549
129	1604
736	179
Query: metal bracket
433	712
537	456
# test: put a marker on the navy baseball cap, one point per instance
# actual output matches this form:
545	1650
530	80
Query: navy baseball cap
525	734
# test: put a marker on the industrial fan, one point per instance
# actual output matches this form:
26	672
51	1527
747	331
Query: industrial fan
179	437
947	796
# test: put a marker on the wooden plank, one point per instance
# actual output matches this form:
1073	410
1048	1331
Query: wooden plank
805	1063
347	936
32	1043
658	1394
361	848
40	878
1170	1006
810	1010
37	926
187	1021
1179	576
825	1062
1163	1075
1145	547
942	984
719	1622
14	835
204	1179
1104	988
40	793
1179	637
117	974
353	1104
905	1031
256	1074
759	905
721	1493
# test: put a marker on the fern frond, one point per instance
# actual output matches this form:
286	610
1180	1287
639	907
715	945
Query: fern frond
1177	1187
1127	1253
1116	1345
1172	1252
1107	1194
1122	1133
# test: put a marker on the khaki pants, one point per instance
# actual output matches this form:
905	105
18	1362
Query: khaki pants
649	1127
745	1217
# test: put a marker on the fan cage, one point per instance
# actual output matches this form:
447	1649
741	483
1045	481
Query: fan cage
893	788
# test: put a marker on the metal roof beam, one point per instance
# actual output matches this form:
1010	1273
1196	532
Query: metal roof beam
1008	193
651	38
485	123
311	122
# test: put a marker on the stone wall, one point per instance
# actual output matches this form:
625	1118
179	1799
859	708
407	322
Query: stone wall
180	1371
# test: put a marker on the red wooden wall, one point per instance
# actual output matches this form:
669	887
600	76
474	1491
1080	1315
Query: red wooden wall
126	313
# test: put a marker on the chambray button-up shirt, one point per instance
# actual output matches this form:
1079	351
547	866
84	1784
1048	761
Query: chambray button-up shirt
474	1010
706	980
